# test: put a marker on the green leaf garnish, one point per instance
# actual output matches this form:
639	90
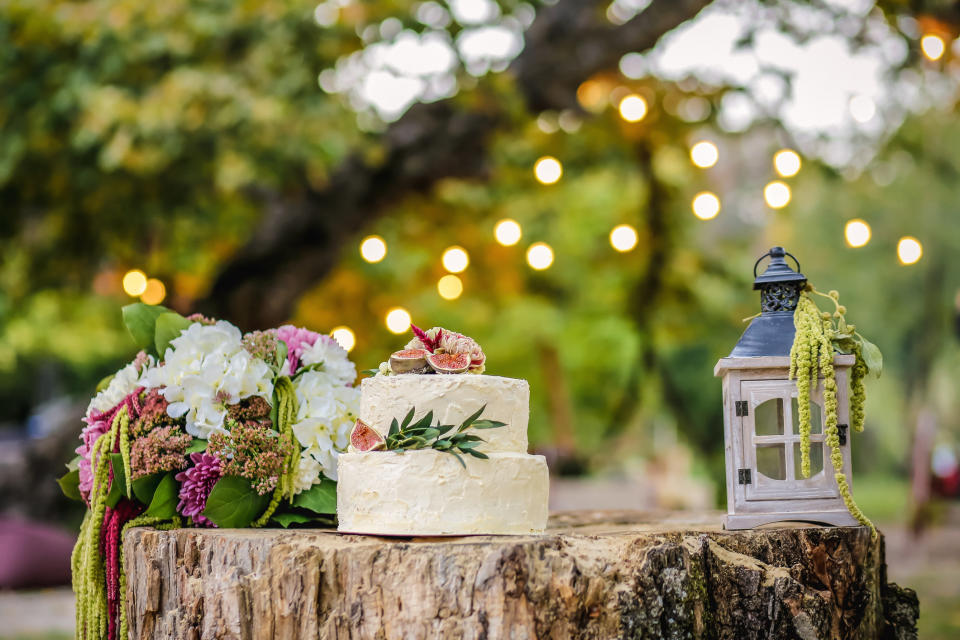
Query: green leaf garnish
423	434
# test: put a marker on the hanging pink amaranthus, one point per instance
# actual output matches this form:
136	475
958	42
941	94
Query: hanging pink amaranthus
196	483
98	424
113	521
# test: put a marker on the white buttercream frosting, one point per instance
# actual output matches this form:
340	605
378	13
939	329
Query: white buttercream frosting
427	492
452	398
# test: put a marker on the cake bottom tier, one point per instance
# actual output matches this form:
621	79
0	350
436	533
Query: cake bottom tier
428	493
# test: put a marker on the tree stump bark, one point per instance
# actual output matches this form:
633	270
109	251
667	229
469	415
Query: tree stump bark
593	575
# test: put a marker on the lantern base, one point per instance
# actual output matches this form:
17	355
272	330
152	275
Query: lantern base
750	520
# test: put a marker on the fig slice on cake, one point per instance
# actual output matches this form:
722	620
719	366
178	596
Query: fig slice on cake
449	362
365	438
409	360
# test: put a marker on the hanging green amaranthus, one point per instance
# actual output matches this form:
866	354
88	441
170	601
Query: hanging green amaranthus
819	335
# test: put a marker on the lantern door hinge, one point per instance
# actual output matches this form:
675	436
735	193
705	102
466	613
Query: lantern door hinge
742	408
842	431
743	476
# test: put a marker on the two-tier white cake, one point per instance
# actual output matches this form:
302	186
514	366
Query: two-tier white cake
428	492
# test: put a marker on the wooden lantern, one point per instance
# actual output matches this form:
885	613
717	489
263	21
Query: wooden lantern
760	417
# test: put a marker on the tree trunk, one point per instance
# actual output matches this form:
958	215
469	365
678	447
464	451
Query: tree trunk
593	575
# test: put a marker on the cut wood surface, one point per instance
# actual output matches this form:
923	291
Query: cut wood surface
593	575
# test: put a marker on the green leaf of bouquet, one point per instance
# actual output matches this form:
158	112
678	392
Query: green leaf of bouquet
141	320
105	382
163	504
320	498
234	504
74	463
70	484
871	356
197	445
118	486
281	353
145	487
167	328
288	518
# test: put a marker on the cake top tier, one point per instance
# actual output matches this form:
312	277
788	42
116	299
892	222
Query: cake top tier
452	398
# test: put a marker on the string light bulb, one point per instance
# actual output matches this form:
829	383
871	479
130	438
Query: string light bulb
540	256
508	232
776	194
134	282
633	108
450	287
344	337
704	154
547	170
786	162
373	249
154	292
623	238
706	205
398	320
909	250
857	233
455	259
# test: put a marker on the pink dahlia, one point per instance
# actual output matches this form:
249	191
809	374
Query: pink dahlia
196	483
297	340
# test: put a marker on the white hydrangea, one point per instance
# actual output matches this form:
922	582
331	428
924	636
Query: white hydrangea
308	473
124	382
336	363
327	410
205	369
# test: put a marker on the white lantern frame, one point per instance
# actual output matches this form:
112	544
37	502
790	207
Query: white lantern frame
754	498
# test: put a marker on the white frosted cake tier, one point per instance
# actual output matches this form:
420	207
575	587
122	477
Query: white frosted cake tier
427	493
452	398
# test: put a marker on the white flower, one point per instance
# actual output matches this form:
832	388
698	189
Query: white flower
124	382
205	369
326	412
308	473
336	363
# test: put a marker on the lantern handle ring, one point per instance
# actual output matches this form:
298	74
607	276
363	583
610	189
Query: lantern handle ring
767	254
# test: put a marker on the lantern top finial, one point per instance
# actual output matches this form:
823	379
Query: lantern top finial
778	271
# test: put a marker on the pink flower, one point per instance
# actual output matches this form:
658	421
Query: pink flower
96	427
196	484
297	340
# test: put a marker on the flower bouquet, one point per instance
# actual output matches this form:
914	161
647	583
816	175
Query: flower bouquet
206	427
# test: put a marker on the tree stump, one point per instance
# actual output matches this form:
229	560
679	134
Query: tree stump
593	575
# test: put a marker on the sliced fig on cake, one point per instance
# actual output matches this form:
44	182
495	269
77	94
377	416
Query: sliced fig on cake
365	438
449	362
409	361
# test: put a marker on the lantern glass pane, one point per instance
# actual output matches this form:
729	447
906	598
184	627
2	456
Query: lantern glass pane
816	459
771	461
769	418
816	424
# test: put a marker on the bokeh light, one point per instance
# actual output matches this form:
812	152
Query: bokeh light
547	170
633	108
623	238
134	282
344	337
704	154
373	249
909	250
776	194
706	205
862	108
507	232
933	46
787	162
450	287
398	320
857	233
540	256
154	292
455	259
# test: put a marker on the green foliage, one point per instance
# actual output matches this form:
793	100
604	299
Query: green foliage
423	434
141	322
145	488
233	503
168	328
320	498
118	486
70	484
163	503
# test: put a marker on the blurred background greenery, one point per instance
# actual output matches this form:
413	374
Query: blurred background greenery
236	156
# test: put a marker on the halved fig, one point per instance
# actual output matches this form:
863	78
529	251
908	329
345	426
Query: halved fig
365	438
408	360
449	362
